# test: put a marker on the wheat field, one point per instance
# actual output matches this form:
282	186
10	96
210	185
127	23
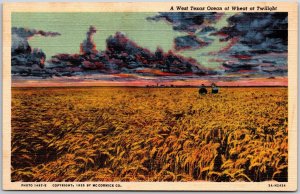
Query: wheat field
149	134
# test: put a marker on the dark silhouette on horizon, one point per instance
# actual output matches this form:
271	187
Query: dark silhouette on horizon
202	90
214	88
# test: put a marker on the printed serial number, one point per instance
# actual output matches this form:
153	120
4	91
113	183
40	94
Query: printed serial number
277	185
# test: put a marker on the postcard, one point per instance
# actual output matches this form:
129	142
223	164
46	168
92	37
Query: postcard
148	96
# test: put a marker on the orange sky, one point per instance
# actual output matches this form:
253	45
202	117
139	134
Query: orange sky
278	81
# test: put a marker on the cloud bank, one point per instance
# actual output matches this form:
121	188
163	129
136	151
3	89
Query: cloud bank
26	61
123	56
257	42
196	25
188	21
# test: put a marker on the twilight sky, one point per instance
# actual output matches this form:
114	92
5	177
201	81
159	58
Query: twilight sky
195	46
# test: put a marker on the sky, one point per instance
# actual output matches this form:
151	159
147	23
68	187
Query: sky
73	26
203	43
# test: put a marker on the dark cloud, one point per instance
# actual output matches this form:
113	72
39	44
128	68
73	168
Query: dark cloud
206	34
123	55
196	24
88	46
188	21
260	64
77	64
207	29
27	33
275	70
127	52
240	67
260	32
20	38
257	42
26	61
189	42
